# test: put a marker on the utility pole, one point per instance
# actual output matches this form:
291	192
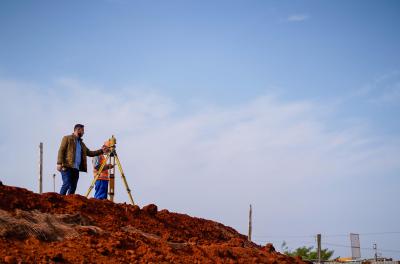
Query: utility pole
40	167
319	247
376	252
250	223
54	182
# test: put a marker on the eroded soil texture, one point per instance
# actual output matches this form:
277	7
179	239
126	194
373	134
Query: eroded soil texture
51	228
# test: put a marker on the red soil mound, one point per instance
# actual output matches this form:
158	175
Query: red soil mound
51	228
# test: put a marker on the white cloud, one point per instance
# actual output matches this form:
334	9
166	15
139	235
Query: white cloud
297	18
284	157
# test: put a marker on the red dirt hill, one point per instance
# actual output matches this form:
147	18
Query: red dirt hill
51	228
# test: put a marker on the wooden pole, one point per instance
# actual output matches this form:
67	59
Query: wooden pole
54	182
319	247
250	223
41	167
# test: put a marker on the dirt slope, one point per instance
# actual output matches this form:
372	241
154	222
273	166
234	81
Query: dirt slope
51	228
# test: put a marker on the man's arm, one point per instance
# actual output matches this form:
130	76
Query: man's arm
62	150
92	153
61	153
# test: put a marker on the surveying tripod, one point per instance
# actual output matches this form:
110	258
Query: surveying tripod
111	156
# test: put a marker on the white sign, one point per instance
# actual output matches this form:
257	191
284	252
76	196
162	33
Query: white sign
355	246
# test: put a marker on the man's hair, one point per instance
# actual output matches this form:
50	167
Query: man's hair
78	126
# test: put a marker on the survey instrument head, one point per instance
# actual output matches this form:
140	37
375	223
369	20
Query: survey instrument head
112	142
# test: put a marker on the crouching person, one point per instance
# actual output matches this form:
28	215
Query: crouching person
101	187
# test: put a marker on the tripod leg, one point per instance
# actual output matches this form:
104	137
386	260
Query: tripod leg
97	175
123	178
112	178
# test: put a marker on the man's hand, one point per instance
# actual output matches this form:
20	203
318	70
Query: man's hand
59	167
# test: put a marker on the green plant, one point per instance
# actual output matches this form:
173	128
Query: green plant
307	253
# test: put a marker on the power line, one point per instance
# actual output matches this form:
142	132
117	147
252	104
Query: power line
284	236
366	234
366	248
381	233
287	241
329	235
333	244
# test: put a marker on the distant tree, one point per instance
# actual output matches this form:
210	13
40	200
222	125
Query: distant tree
307	253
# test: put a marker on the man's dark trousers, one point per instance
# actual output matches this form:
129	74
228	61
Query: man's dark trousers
70	180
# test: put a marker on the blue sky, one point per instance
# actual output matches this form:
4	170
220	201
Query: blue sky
222	52
302	94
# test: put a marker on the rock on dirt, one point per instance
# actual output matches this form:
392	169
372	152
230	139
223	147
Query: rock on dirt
10	259
151	209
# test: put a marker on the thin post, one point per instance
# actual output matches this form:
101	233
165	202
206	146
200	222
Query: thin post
250	223
319	247
54	182
41	167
